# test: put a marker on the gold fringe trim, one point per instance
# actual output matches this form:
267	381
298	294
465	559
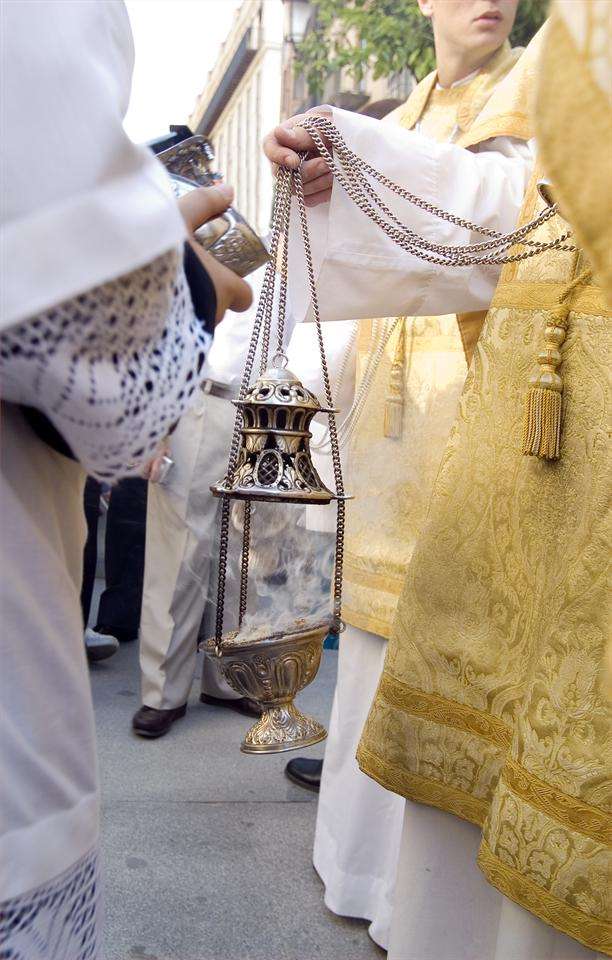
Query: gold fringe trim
542	423
414	787
572	813
431	706
393	418
590	931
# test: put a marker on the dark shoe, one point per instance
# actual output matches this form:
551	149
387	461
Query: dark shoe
249	708
152	723
306	773
99	646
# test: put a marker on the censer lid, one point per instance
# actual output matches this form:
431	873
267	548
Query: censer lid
273	460
277	384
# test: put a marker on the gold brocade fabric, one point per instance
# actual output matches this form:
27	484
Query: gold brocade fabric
491	705
391	477
469	99
574	124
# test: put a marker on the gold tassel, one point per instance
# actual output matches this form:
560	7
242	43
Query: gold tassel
394	401
542	423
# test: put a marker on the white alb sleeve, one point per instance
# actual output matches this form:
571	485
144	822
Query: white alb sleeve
113	368
362	273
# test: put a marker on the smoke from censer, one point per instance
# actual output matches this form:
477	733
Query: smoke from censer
290	570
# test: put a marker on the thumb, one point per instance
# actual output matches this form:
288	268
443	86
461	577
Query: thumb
205	203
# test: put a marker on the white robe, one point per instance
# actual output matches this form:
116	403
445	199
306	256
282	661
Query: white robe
443	907
84	212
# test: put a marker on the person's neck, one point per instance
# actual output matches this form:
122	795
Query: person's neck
454	65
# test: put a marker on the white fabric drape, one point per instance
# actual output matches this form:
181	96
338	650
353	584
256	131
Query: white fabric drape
99	334
359	824
361	273
81	203
49	796
444	908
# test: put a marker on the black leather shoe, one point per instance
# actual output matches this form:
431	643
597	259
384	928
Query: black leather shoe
306	773
249	708
152	723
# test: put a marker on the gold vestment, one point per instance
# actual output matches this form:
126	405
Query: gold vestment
391	477
491	705
574	124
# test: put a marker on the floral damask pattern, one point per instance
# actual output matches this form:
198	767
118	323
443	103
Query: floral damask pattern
492	703
391	478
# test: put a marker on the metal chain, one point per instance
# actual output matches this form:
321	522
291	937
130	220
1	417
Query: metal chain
284	273
280	231
357	163
282	200
333	430
353	180
223	545
244	562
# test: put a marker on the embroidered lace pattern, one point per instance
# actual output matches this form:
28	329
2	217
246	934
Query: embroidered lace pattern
57	921
112	368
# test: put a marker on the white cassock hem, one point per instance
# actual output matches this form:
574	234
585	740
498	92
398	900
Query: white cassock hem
359	824
445	909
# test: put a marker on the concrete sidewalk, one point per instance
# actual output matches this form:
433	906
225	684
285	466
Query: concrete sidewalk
207	851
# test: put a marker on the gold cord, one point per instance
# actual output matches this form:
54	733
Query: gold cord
394	401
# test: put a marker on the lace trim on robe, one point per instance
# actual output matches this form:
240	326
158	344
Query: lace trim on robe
58	920
112	368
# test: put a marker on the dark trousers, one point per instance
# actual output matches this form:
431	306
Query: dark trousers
120	603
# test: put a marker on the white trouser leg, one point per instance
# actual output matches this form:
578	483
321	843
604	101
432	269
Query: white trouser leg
359	823
182	540
445	909
521	934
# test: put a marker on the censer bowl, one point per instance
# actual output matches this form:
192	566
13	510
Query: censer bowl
272	670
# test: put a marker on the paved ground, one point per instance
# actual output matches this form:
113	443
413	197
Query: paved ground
208	851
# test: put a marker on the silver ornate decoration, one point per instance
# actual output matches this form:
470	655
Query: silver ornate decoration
272	670
228	237
274	461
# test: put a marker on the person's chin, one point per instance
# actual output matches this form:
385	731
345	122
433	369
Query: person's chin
494	30
488	41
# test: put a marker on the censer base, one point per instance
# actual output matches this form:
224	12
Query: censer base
272	669
282	728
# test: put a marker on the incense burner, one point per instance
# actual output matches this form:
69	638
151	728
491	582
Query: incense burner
272	670
274	462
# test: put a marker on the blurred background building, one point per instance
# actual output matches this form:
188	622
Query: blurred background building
254	84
